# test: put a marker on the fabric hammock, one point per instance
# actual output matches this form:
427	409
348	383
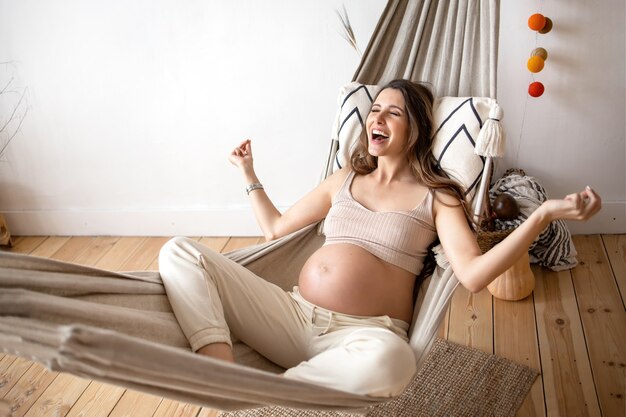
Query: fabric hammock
119	328
453	45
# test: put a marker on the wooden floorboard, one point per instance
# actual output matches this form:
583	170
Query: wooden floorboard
96	250
615	246
568	382
50	246
27	244
604	322
171	408
29	389
59	397
13	372
73	248
572	329
97	401
515	338
471	319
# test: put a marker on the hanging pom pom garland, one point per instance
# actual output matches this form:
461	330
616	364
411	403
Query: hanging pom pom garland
540	24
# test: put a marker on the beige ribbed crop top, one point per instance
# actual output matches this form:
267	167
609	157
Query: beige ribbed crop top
398	237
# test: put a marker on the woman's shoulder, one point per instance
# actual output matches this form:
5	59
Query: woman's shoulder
343	172
334	181
445	195
339	177
445	198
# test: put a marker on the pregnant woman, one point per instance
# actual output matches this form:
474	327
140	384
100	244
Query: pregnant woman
345	324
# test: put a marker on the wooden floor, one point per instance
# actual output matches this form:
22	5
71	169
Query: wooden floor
572	329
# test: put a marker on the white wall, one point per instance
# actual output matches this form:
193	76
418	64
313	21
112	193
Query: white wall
134	106
573	135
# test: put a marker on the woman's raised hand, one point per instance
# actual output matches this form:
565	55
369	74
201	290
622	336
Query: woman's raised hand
241	156
577	206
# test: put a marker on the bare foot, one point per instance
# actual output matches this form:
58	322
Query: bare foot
221	351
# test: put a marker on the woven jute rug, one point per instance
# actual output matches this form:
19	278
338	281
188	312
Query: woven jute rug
454	381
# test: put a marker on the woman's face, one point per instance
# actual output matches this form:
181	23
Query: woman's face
387	124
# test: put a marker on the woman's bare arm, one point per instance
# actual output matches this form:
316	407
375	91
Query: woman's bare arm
309	209
475	270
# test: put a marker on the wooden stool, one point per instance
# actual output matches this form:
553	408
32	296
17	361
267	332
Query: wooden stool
515	283
5	235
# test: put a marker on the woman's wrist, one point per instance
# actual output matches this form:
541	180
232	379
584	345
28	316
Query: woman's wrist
543	215
249	176
253	186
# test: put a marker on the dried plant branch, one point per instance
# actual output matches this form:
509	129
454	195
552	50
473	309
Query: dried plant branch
18	112
17	129
17	106
7	86
348	33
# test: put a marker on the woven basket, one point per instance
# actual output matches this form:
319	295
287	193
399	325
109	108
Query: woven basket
487	240
5	235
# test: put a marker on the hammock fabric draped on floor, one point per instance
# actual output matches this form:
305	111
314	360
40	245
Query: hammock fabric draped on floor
129	336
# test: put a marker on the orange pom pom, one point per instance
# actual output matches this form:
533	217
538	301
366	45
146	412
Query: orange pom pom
536	21
536	89
535	64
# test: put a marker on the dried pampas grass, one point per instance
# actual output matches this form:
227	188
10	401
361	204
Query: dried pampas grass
347	33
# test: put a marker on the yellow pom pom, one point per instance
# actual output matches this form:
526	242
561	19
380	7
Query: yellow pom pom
535	64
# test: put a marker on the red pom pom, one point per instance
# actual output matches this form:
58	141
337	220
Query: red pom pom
536	21
536	89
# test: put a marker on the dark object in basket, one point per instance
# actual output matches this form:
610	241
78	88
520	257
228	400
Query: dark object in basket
505	207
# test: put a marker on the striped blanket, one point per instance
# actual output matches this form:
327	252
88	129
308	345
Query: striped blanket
554	247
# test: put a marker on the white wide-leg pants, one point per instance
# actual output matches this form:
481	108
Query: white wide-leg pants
213	296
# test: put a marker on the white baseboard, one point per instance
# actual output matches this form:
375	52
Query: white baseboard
200	222
238	221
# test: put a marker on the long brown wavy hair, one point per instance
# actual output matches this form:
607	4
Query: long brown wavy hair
418	100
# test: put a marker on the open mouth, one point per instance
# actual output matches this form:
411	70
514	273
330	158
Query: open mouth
379	136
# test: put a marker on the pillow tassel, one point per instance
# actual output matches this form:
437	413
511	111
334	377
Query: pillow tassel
491	139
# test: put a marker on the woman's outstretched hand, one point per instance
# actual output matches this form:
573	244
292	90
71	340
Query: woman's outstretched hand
241	156
578	206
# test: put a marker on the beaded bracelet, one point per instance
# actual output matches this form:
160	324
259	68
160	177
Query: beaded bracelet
254	186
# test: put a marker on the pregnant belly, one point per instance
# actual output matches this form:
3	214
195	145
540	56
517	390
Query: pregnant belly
350	280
